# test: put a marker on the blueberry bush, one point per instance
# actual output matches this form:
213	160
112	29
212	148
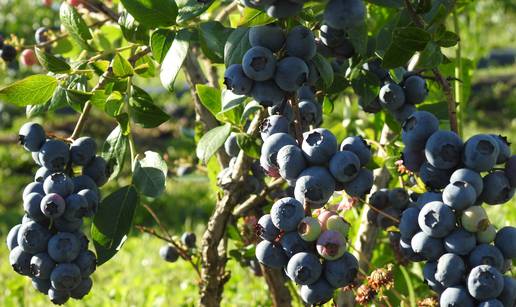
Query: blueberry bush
332	133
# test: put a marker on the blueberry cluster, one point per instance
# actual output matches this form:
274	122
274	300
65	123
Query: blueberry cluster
277	65
334	43
170	253
276	8
49	246
7	52
312	251
387	206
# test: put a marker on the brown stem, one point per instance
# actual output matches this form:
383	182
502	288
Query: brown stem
297	118
133	59
443	82
276	283
255	200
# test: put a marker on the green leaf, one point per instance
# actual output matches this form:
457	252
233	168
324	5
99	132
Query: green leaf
112	222
150	174
251	146
57	101
121	66
327	106
253	17
152	13
231	100
143	110
250	109
431	57
365	84
236	46
145	67
50	62
174	59
411	38
447	39
213	36
33	90
160	43
396	56
72	21
324	68
114	151
210	98
211	142
358	37
189	9
132	30
439	109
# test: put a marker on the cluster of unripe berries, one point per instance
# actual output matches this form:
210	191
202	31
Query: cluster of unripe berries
311	250
49	246
170	253
277	65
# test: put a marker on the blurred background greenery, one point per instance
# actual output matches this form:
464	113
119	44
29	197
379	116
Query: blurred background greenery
137	276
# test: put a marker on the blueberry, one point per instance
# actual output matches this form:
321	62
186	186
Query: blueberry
505	241
41	174
83	150
450	270
169	253
304	268
309	113
361	185
429	271
236	80
62	224
474	219
84	182
41	285
428	197
481	152
344	50
341	272
54	155
274	124
415	89
491	303
456	297
380	199
460	242
331	245
429	247
41	265
434	178
32	204
486	254
35	157
403	113
82	289
510	170
58	183
337	223
20	261
370	105
269	169
309	229
459	195
259	64
64	247
41	35
384	219
317	293
508	295
87	263
8	53
52	205
301	43
271	255
267	93
469	176
418	128
504	149
76	207
269	36
331	37
291	74
344	166
93	201
231	146
58	297
443	149
319	146
266	229
408	227
314	186
305	92
398	198
65	276
359	147
436	219
33	187
392	96
485	282
97	170
413	159
292	243
344	14
486	236
286	213
32	136
33	237
284	8
497	189
408	252
12	237
189	239
375	67
291	162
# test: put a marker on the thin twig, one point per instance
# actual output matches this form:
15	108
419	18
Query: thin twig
226	11
294	103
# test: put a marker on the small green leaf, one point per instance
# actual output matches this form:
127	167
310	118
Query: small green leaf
174	59
327	106
143	110
132	30
231	100
189	9
431	57
112	222
253	17
75	25
213	36
150	174
411	38
210	98
447	39
358	37
396	56
33	90
251	146
152	13
324	68
365	84
51	63
211	142
250	109
160	43
114	151
121	66
236	46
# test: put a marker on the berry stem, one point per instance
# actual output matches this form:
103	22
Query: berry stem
297	118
